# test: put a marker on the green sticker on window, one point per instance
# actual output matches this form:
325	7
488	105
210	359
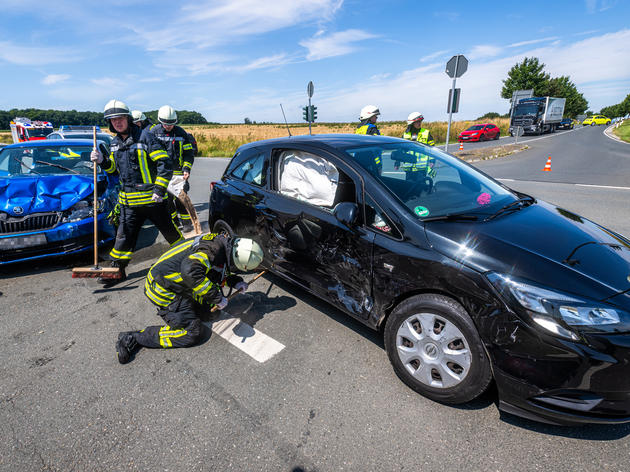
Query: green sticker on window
421	211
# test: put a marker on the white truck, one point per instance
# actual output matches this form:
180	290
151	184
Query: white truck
23	129
537	115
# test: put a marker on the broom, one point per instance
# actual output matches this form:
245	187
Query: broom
95	270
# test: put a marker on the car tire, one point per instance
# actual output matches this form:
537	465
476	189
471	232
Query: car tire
593	123
498	135
449	364
221	226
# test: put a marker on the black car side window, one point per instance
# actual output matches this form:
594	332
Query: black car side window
252	170
377	220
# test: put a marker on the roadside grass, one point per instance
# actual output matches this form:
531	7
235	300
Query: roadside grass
623	132
223	139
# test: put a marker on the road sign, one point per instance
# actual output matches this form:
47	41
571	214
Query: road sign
456	66
310	88
453	105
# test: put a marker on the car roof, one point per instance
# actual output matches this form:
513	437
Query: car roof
336	141
50	143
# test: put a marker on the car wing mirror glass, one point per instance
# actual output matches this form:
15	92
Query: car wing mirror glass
347	213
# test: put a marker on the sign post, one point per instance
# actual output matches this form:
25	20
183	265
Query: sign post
310	88
455	68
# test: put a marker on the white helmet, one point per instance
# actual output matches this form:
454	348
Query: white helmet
137	115
246	254
415	116
167	116
368	112
115	108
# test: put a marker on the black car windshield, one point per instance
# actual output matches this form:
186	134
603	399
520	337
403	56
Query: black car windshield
525	110
429	182
475	128
45	160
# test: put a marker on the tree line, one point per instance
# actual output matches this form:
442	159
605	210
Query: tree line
530	74
74	117
618	110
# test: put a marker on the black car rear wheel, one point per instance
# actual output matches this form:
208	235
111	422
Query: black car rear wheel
435	349
222	227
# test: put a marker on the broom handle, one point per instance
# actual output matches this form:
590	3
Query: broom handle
95	205
215	308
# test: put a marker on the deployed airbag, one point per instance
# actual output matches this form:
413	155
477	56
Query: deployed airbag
308	177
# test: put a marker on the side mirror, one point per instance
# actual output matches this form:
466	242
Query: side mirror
347	213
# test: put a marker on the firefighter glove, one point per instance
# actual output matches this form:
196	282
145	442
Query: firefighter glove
156	198
222	304
96	156
241	287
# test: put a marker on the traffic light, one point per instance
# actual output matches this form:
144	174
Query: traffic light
305	113
313	112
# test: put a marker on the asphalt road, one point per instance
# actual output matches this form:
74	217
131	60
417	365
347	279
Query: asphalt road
328	400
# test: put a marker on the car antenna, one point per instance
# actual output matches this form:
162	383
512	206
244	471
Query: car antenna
285	119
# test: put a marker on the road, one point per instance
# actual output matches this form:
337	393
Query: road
327	400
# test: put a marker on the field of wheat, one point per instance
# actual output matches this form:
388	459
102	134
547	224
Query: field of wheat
224	139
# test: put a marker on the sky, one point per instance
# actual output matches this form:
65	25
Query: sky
231	59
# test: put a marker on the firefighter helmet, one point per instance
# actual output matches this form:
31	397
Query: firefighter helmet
368	112
167	116
246	254
415	116
115	108
137	115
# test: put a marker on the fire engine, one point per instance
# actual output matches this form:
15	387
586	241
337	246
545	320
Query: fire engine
23	129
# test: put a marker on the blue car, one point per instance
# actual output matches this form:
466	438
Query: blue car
46	200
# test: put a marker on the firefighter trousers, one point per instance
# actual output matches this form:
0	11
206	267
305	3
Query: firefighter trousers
131	220
183	326
178	211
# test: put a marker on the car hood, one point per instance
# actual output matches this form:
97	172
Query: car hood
24	195
543	243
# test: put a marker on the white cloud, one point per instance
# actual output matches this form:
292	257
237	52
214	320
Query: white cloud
54	78
336	44
532	41
435	55
109	83
26	55
483	50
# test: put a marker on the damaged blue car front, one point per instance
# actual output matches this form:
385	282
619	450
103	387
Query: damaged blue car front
46	200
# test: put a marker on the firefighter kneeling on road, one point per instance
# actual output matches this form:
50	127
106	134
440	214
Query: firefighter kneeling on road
185	283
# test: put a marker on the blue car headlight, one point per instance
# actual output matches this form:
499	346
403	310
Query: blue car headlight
562	314
81	210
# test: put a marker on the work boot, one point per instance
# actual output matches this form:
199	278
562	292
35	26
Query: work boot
107	282
126	346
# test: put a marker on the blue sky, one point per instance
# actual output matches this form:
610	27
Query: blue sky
242	58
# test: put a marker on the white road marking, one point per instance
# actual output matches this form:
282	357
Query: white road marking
611	187
612	136
249	340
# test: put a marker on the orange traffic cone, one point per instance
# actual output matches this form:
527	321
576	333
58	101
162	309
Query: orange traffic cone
461	145
548	165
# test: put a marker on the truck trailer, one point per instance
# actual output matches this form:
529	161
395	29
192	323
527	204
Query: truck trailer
537	115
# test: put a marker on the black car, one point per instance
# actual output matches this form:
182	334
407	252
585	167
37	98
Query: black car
566	123
468	280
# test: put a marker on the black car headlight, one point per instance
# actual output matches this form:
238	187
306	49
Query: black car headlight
562	314
81	210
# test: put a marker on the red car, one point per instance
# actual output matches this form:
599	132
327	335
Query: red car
481	132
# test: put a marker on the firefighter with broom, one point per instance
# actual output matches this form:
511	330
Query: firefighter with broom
144	169
186	282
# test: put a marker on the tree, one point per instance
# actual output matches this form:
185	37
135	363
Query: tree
247	121
526	75
562	87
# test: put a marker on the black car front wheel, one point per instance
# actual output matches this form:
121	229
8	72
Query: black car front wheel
435	349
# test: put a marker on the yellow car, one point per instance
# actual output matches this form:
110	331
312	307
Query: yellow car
596	120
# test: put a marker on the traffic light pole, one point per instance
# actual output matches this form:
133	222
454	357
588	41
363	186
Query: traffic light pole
308	115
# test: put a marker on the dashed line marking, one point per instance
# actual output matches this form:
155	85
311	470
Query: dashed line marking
252	342
611	187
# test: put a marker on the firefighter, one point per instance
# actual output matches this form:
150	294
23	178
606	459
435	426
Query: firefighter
184	284
415	131
144	171
140	119
369	115
180	150
422	166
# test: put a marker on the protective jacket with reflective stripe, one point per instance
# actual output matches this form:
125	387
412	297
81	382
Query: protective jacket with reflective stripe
178	146
195	268
142	165
365	127
421	135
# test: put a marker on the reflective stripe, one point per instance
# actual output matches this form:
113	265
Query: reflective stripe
201	257
187	165
203	288
175	250
175	277
135	198
185	216
166	333
188	146
112	166
120	255
159	154
144	167
178	172
161	181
